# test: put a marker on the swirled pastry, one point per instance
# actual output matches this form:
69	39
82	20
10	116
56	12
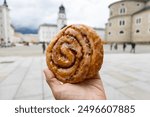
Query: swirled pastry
75	54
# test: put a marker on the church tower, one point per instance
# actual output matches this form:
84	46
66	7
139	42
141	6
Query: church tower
62	20
5	3
4	23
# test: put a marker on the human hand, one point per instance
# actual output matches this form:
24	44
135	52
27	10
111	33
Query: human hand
91	89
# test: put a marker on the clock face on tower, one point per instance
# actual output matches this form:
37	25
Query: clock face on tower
62	15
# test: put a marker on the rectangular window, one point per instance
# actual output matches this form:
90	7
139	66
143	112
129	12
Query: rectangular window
138	20
122	10
122	22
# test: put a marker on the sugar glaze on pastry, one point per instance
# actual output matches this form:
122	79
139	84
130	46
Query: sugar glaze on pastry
75	54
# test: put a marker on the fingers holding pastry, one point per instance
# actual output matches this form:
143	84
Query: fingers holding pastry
50	78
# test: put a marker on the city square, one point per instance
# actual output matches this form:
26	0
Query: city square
93	54
124	28
124	75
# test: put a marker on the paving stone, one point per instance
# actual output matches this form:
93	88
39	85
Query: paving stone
7	69
7	92
121	76
114	94
32	82
113	82
141	85
30	97
49	98
47	91
29	87
17	75
135	93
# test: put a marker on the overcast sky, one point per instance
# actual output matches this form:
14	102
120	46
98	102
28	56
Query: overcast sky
32	13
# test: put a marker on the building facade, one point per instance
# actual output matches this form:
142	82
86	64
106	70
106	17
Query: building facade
47	31
129	21
100	32
6	29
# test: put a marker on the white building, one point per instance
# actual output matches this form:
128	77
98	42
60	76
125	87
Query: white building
129	21
6	29
48	31
100	32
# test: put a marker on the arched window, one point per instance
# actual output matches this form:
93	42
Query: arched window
137	31
121	32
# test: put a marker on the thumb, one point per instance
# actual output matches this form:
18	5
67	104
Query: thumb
51	80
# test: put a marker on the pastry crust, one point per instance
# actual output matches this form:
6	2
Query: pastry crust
75	54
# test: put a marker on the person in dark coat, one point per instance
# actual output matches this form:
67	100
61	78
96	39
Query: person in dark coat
111	46
116	46
124	46
133	47
43	47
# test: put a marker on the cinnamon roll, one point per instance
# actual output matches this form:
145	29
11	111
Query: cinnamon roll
75	54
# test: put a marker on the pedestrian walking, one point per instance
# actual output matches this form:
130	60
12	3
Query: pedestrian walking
124	46
116	46
111	46
132	48
43	47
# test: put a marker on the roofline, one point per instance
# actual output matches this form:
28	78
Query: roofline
98	28
142	10
12	26
2	6
122	1
119	16
114	3
47	25
54	25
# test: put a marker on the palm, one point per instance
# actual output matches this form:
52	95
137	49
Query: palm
88	89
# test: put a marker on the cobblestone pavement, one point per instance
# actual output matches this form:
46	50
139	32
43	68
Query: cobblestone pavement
23	78
125	76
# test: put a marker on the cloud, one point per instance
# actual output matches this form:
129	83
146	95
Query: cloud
32	13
